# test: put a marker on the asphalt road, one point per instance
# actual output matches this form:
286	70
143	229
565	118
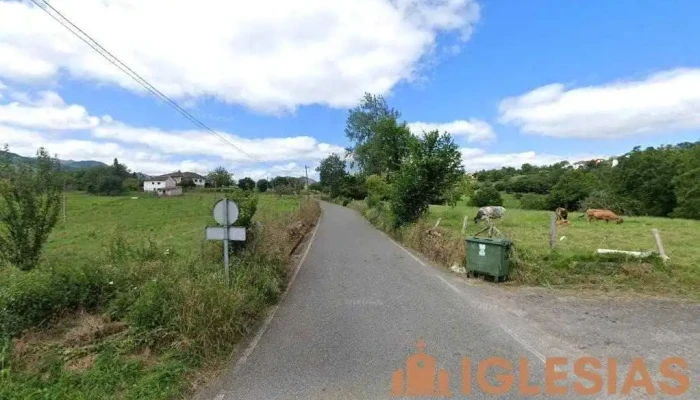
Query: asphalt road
356	310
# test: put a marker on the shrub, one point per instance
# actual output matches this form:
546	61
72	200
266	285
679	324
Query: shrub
487	195
531	201
30	200
377	190
610	201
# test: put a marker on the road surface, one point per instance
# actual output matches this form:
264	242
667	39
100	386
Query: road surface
357	308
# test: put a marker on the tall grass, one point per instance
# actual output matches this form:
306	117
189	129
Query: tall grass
573	262
171	302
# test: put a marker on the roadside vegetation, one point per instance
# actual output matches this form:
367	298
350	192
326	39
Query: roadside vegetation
126	299
404	182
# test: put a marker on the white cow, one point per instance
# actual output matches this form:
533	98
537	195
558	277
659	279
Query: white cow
489	212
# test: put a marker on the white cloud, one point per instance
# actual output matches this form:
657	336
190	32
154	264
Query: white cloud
474	159
473	130
46	111
661	103
193	142
270	55
149	150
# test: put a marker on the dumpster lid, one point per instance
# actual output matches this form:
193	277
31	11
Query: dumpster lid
485	240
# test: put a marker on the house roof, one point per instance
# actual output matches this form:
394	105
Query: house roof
190	175
158	178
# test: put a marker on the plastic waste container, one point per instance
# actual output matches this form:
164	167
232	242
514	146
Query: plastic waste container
489	256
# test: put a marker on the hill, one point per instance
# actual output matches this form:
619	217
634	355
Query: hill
70	165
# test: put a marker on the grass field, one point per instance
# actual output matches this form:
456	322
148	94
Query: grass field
177	222
573	263
130	301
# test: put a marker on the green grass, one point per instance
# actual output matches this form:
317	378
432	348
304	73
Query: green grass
176	222
573	262
142	263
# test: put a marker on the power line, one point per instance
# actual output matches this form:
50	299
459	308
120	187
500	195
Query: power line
114	60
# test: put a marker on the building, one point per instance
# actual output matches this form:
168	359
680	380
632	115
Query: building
163	185
168	184
198	180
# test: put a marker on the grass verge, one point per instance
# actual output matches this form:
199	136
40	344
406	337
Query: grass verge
573	262
136	313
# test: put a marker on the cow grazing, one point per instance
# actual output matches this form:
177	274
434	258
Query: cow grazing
605	215
562	214
489	212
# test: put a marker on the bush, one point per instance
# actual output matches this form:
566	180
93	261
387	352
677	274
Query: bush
377	190
610	201
531	201
486	196
30	298
30	200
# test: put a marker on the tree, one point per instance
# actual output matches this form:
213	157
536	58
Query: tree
120	170
379	142
687	184
103	181
433	166
378	190
352	187
187	183
487	195
573	186
647	177
220	177
30	200
262	185
246	183
332	171
361	119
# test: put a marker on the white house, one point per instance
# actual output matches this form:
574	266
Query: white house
162	185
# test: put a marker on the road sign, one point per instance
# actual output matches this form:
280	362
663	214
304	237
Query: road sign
219	233
225	213
220	211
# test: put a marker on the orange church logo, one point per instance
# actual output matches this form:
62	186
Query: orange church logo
421	377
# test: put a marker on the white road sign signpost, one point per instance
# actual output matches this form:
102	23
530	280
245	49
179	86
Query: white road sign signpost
225	213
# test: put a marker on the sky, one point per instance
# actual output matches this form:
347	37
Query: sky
513	81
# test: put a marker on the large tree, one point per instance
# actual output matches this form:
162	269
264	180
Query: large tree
246	183
262	185
332	171
433	167
220	177
379	141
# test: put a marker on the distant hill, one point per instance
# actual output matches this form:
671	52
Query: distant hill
67	164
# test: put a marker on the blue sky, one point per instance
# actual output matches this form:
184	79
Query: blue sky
514	82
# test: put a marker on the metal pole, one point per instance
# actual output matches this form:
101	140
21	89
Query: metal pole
228	278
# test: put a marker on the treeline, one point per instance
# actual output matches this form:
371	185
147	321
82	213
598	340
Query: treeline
399	173
112	180
662	181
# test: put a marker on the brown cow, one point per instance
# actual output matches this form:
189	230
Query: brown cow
605	215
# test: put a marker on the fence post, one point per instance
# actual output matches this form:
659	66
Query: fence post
659	245
464	224
437	223
552	230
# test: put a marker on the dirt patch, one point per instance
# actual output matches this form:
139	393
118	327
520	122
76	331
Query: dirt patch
81	364
74	334
89	328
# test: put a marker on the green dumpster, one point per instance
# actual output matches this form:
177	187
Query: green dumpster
489	256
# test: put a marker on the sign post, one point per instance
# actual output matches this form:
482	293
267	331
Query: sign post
225	213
